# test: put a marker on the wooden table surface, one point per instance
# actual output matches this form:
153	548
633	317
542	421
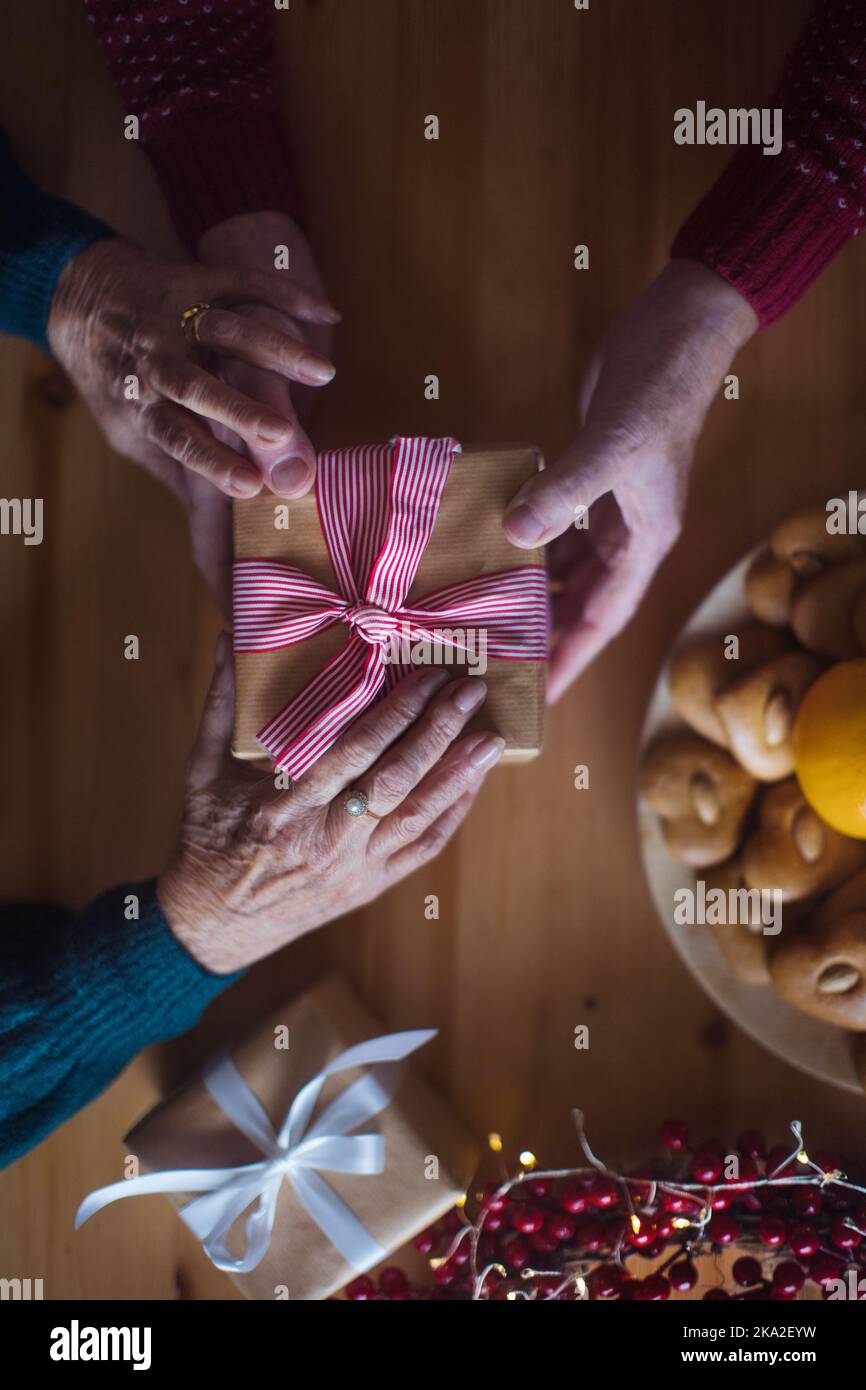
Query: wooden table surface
453	257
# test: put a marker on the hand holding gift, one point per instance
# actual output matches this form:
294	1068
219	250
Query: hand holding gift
259	866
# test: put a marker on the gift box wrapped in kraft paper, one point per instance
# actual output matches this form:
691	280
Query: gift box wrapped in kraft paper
398	558
305	1154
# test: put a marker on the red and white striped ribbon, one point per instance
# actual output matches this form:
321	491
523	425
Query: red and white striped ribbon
378	507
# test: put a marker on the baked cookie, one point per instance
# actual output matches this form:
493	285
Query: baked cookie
701	794
701	672
828	614
800	548
794	851
824	973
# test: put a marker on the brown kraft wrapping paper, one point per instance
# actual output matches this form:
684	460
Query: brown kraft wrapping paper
468	541
189	1130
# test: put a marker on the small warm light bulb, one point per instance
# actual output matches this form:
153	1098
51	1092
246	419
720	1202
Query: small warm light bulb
580	1285
462	1200
512	1297
495	1142
803	1157
635	1223
680	1223
528	1159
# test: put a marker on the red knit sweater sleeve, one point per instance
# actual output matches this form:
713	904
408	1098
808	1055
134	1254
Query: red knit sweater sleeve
771	223
202	78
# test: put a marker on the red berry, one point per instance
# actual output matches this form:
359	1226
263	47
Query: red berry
640	1189
643	1238
824	1267
673	1201
494	1221
628	1289
426	1241
654	1289
722	1200
674	1135
546	1285
744	1170
723	1229
452	1220
683	1276
804	1240
361	1288
843	1236
446	1273
605	1281
542	1243
788	1278
538	1187
560	1226
772	1231
392	1281
589	1234
706	1166
572	1198
715	1296
806	1201
493	1199
664	1226
604	1193
527	1218
752	1143
746	1271
517	1253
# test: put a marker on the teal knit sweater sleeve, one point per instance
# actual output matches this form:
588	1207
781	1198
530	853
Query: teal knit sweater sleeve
80	996
38	235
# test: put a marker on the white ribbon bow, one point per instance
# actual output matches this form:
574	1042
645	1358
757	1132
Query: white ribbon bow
298	1152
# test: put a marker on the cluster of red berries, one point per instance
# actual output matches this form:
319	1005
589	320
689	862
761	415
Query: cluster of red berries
585	1225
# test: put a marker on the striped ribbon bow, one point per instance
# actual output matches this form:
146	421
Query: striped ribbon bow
378	506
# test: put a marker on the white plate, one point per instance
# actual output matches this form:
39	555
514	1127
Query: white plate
804	1042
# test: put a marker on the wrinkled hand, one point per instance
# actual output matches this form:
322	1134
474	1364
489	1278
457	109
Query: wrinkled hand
257	867
115	315
250	240
643	402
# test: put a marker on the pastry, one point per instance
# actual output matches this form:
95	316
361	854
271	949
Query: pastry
757	713
824	972
828	614
801	547
701	671
701	794
794	851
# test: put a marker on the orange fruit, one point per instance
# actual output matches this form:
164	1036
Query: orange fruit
830	747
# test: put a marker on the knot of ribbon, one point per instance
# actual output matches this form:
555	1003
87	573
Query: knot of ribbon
298	1153
373	624
378	506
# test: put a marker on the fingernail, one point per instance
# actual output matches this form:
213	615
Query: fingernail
488	751
317	369
274	432
244	483
431	681
291	476
469	694
523	525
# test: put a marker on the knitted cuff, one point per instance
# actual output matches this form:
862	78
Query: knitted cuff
770	225
215	163
38	235
136	983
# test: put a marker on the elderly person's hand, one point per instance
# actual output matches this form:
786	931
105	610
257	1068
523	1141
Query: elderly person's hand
115	328
643	403
256	241
257	867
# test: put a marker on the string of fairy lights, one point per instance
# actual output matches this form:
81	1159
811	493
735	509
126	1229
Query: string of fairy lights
640	1195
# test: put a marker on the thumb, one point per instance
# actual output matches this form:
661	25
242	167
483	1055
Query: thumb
549	503
213	741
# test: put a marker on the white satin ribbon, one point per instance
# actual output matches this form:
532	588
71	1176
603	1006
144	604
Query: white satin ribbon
299	1152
